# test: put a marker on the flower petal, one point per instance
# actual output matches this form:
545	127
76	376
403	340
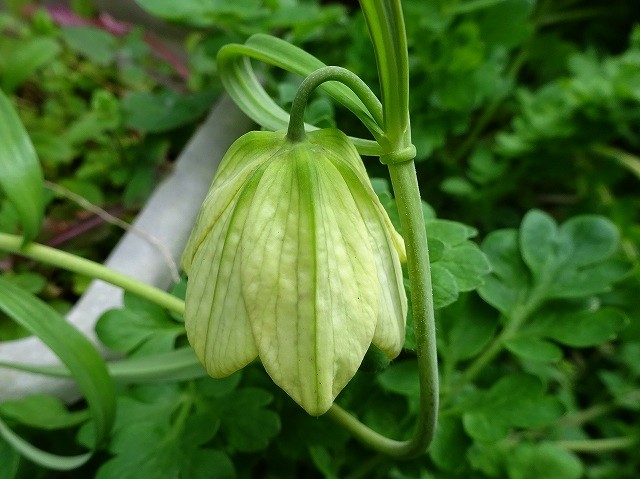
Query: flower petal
342	149
385	241
216	320
307	270
242	159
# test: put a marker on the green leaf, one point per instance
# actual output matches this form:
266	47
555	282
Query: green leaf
467	263
538	239
10	460
465	328
25	59
579	328
622	388
150	449
516	400
323	461
401	378
248	424
21	176
79	356
445	286
494	30
449	232
589	239
96	44
533	461
592	279
160	112
449	448
534	349
140	326
508	285
42	412
203	13
570	261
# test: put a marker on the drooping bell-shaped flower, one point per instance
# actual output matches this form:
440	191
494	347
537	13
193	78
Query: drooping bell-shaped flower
294	260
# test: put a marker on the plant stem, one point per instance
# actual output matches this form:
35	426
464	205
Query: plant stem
405	184
519	316
599	445
295	132
405	187
385	23
70	262
578	418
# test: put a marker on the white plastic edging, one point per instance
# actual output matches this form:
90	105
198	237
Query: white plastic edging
168	216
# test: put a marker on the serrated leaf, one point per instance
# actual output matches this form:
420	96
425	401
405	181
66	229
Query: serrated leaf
516	400
140	325
246	421
467	264
21	178
150	449
570	261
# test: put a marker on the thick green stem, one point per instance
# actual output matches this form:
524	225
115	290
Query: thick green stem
70	262
386	27
405	187
313	81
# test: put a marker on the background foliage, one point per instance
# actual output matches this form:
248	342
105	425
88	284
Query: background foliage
525	115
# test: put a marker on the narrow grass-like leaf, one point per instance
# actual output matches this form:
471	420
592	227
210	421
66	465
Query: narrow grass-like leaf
241	83
80	357
179	365
20	173
46	459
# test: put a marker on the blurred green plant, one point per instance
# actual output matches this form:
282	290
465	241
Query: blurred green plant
516	105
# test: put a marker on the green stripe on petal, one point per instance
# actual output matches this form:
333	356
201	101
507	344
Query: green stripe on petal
341	149
392	313
242	159
215	315
307	268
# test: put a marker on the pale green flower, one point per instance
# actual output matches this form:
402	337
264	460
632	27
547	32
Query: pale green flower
294	260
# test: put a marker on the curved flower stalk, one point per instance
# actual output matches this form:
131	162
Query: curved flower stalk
294	260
